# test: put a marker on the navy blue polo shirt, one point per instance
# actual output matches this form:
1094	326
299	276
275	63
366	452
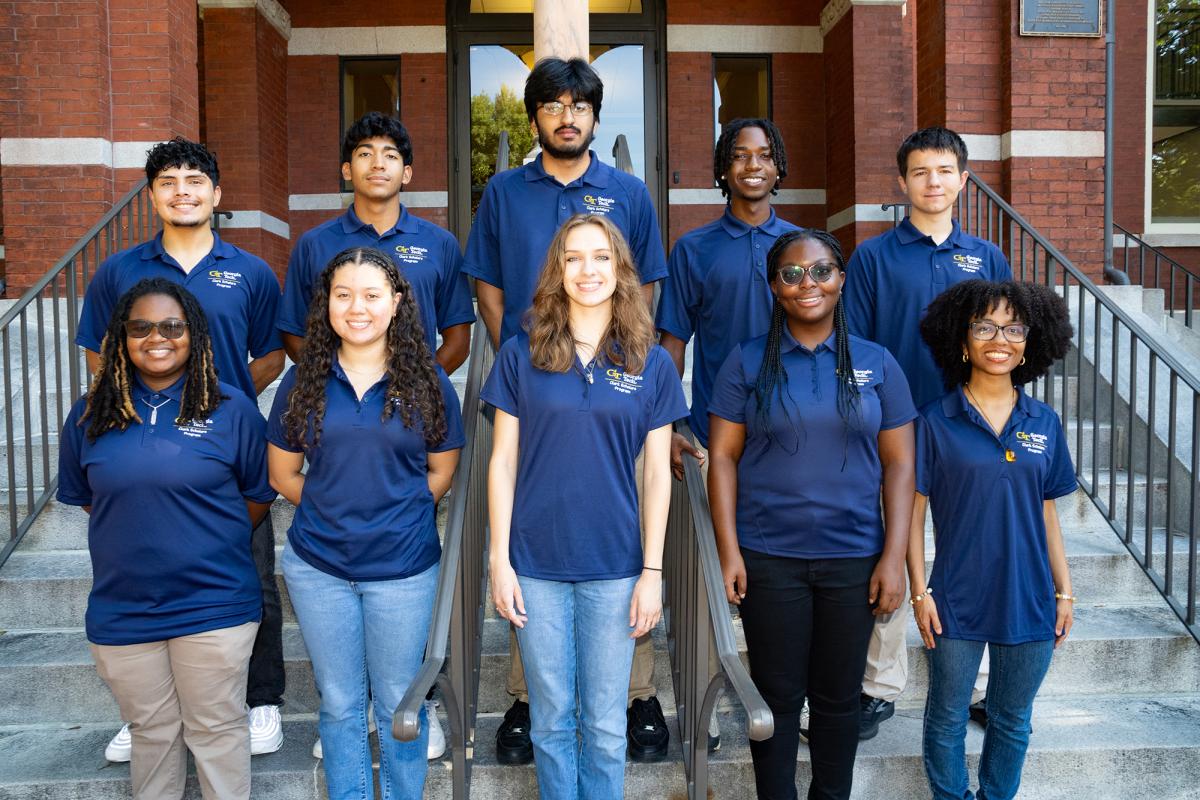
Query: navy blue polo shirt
991	577
810	487
169	534
366	512
892	278
716	288
575	513
426	255
523	208
238	292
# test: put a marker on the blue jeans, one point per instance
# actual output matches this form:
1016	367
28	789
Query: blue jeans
1017	671
576	642
358	632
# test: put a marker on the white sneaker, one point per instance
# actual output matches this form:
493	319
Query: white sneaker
121	746
437	739
319	752
266	730
804	723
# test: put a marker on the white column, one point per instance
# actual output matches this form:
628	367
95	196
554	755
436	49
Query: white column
560	28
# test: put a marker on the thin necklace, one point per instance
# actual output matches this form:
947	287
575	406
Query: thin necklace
154	408
1009	455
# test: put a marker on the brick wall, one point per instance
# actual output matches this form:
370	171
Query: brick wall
744	12
313	125
350	14
1129	109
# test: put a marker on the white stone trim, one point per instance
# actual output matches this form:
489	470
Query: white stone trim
834	10
982	146
271	10
860	212
744	39
367	41
71	151
1051	144
1170	234
258	219
130	155
705	197
338	201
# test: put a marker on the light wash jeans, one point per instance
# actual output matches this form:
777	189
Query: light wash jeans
1017	671
578	655
360	632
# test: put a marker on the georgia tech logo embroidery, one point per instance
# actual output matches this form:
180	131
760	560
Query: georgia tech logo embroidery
863	376
224	278
623	382
596	204
966	263
1033	442
196	429
410	253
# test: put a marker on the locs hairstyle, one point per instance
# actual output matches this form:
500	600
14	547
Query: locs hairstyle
630	333
723	152
552	76
374	124
110	402
413	384
934	138
945	326
772	379
180	152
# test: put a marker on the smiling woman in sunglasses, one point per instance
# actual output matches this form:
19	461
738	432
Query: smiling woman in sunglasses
171	466
990	462
807	424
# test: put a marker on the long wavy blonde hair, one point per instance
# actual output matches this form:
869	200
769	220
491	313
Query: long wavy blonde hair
630	333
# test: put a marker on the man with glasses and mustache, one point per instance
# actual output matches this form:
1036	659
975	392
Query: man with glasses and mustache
519	214
240	297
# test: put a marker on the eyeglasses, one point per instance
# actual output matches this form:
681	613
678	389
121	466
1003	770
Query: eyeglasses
793	274
986	332
169	328
580	108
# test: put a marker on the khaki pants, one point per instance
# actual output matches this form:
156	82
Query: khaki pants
190	691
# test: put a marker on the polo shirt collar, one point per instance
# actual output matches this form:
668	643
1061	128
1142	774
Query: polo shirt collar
220	249
406	223
736	228
174	391
908	233
955	403
595	175
789	343
339	372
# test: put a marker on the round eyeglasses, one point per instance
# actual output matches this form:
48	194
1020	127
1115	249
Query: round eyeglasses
986	331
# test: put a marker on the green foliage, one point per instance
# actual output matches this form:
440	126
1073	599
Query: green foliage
489	116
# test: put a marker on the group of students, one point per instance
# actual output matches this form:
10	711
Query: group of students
819	465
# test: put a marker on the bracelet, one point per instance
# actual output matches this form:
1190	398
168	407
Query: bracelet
656	569
916	598
1064	596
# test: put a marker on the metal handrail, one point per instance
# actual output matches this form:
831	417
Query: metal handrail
462	578
1181	282
698	623
49	377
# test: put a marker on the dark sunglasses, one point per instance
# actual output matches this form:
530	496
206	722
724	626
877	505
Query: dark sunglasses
793	274
169	328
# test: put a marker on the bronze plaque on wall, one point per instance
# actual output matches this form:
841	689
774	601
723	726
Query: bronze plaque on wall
1062	18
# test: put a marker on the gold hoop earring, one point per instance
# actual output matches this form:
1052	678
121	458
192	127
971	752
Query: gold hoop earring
965	359
1022	361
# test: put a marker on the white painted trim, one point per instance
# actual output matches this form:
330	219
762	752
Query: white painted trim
744	39
834	10
61	152
712	197
338	201
270	9
1051	144
982	146
860	212
1172	234
367	41
130	155
258	219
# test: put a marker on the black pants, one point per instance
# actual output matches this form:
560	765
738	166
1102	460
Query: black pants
264	686
807	624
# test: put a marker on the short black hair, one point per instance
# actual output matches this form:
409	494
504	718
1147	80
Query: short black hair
945	324
180	152
552	76
723	152
934	138
374	124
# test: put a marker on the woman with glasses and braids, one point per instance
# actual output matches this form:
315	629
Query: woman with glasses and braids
807	425
990	462
171	466
379	424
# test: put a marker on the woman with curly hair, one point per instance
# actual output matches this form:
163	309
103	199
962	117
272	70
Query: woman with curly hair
809	428
577	397
171	466
379	424
990	462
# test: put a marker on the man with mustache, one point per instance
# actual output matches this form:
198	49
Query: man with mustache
520	212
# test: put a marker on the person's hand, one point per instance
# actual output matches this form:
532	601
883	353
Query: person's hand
645	608
886	587
679	446
1063	619
927	620
506	594
733	572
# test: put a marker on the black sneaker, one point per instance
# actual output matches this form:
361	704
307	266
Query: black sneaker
646	730
874	711
512	737
978	712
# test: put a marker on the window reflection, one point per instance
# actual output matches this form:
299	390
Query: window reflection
1175	156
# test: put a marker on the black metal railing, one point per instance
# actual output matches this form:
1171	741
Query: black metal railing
1153	269
699	625
44	370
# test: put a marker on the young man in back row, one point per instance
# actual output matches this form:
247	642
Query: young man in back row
890	280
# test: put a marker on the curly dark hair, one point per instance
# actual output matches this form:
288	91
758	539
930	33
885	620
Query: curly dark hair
375	124
946	320
109	401
723	152
412	375
772	378
180	152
